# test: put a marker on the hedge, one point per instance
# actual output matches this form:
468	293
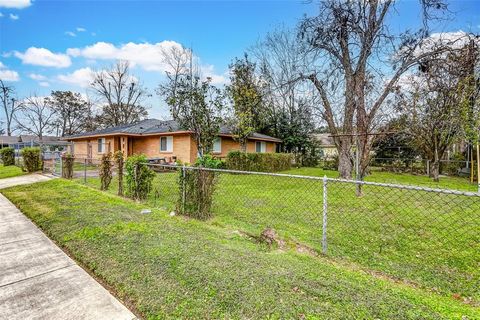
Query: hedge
32	159
8	156
260	162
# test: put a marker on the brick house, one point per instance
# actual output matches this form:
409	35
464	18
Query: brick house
162	140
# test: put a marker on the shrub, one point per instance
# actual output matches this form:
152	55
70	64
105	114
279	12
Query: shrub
67	166
261	162
32	159
8	156
139	177
196	188
120	162
330	163
105	173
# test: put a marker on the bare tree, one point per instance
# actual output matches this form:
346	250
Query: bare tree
35	116
287	103
9	103
121	95
354	61
72	112
195	103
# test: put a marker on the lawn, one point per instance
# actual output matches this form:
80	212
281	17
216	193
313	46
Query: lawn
426	239
173	267
10	171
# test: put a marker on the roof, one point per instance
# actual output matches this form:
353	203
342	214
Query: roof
155	126
325	139
28	138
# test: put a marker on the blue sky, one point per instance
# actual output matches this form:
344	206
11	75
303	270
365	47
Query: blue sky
55	45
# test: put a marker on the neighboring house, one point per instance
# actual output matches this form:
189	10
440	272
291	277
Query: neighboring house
160	139
326	144
47	143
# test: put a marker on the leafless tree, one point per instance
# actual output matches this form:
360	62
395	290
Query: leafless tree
9	103
354	61
287	103
120	94
35	116
72	112
180	63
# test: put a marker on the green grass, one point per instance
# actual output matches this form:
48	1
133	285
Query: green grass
173	267
446	182
10	171
429	240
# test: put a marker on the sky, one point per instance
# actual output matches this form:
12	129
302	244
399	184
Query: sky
56	45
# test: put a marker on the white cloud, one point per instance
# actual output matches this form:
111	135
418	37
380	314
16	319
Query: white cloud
44	84
209	72
81	77
70	33
14	16
37	77
8	75
147	56
16	4
1	14
80	29
44	57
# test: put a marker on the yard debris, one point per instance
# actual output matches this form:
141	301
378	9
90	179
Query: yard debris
145	211
270	238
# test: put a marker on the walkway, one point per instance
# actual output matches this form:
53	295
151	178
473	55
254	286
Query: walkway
38	280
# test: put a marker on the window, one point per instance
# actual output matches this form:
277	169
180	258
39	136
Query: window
101	145
260	146
217	145
166	144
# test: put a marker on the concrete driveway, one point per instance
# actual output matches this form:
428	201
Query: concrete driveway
38	280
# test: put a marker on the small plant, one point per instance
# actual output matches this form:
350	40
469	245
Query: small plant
105	173
120	162
67	166
139	177
32	159
196	188
8	156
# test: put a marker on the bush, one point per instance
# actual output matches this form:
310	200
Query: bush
330	163
260	162
67	166
139	177
120	162
32	159
105	173
196	188
8	156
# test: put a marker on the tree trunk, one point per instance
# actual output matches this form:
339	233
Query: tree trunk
435	170
344	161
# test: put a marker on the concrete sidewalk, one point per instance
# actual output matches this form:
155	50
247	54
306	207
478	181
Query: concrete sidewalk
38	280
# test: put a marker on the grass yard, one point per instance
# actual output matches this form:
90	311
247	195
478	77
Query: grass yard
10	171
428	240
173	267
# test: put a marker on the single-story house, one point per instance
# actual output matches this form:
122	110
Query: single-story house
326	144
160	139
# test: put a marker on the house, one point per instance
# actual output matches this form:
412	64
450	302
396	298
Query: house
160	139
326	144
50	145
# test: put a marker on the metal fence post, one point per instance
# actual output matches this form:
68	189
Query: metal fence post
61	167
183	189
85	170
428	168
324	222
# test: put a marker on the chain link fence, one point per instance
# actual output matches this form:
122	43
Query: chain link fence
424	236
